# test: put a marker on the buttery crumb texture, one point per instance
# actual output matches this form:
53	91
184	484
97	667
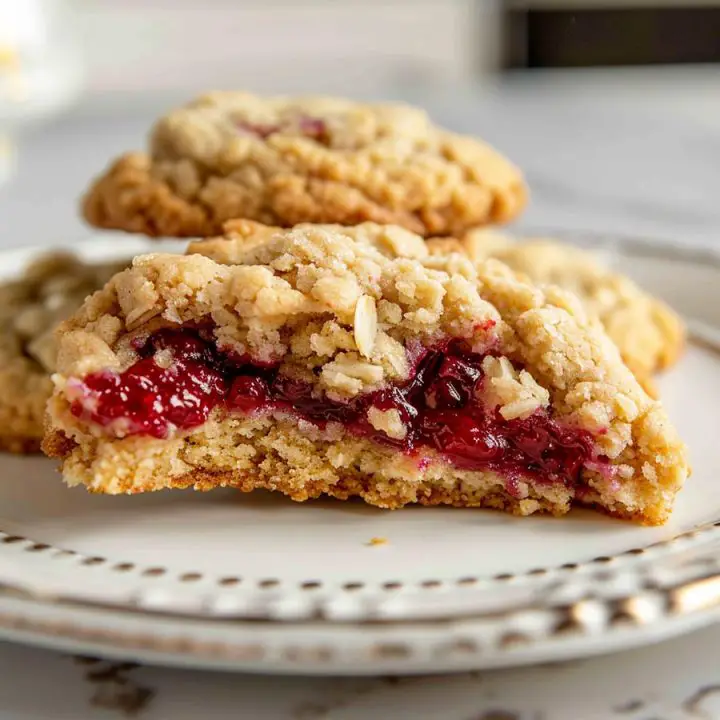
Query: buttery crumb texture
230	155
341	309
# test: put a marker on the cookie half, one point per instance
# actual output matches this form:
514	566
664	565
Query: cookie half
350	362
51	288
649	334
284	161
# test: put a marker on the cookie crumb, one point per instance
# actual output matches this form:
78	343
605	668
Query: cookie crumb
377	541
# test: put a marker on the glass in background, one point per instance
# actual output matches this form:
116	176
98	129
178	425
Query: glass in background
40	68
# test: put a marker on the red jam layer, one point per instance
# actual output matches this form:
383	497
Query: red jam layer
180	378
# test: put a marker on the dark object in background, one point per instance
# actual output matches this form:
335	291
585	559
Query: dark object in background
569	37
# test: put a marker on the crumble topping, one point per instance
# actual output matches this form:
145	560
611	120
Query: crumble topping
649	334
389	421
365	325
304	297
515	393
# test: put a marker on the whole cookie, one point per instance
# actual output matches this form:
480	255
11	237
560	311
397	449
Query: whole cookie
352	362
283	161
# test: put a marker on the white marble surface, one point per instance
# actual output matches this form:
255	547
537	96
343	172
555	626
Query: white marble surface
678	680
638	156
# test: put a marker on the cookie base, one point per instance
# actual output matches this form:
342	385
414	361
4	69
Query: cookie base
263	453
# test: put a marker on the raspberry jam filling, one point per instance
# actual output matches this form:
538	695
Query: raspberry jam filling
180	378
176	382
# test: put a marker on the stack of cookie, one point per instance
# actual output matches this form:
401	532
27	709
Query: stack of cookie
355	329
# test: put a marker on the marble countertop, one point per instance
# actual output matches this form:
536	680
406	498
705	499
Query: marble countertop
677	680
636	155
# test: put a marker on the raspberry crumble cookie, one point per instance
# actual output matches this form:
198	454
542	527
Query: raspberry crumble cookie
50	289
284	161
348	361
648	333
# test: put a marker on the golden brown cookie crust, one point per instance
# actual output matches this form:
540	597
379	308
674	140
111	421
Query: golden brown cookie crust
337	307
284	161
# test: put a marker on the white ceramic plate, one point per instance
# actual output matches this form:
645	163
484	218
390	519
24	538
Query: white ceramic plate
256	582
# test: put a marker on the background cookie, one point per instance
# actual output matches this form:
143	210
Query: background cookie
284	161
49	290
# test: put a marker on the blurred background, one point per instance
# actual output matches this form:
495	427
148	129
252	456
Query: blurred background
612	107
